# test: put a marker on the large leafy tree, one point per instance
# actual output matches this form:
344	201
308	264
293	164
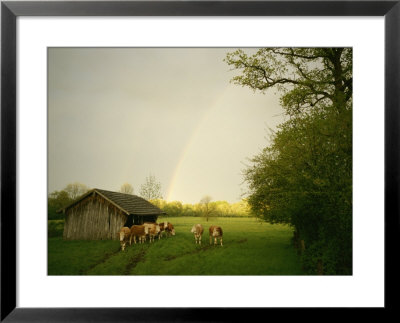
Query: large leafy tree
309	78
304	177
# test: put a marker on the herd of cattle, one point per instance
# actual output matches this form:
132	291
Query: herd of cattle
152	230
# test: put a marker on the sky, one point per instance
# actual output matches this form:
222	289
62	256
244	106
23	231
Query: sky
119	115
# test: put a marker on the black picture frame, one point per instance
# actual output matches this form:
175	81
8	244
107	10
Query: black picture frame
10	10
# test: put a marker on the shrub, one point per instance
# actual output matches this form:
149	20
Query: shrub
55	228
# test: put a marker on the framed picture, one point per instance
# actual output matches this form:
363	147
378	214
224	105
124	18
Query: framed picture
38	40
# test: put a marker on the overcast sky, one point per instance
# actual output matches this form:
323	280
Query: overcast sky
119	115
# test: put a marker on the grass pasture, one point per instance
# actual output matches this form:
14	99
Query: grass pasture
250	248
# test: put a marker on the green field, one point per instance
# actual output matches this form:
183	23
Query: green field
250	248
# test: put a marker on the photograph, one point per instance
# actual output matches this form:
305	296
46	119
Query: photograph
198	144
200	161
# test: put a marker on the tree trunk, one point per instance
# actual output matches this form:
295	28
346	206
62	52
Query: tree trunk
302	246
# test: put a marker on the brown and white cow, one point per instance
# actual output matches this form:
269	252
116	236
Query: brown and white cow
140	232
197	230
163	226
153	230
124	237
215	232
170	229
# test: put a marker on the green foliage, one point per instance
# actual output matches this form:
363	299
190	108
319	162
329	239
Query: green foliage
173	208
219	208
304	178
56	201
59	199
250	248
308	78
55	228
52	213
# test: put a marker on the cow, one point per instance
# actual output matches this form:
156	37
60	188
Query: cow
124	236
153	230
216	232
139	231
170	229
163	226
197	230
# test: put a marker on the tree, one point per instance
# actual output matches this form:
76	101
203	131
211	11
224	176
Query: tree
160	203
59	199
207	207
126	188
304	178
309	78
56	201
151	189
76	189
173	208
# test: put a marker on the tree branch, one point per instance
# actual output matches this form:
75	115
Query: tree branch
298	55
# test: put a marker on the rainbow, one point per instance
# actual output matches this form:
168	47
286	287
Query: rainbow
213	107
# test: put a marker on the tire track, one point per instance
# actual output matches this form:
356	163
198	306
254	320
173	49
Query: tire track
102	261
135	260
193	252
203	248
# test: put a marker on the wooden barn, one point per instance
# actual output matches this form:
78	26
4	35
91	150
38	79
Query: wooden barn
100	214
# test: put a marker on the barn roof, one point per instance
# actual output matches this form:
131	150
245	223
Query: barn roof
128	203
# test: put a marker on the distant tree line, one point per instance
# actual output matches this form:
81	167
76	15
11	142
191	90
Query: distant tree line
304	177
206	211
205	208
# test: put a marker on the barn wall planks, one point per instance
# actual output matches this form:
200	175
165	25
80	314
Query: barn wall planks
93	218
